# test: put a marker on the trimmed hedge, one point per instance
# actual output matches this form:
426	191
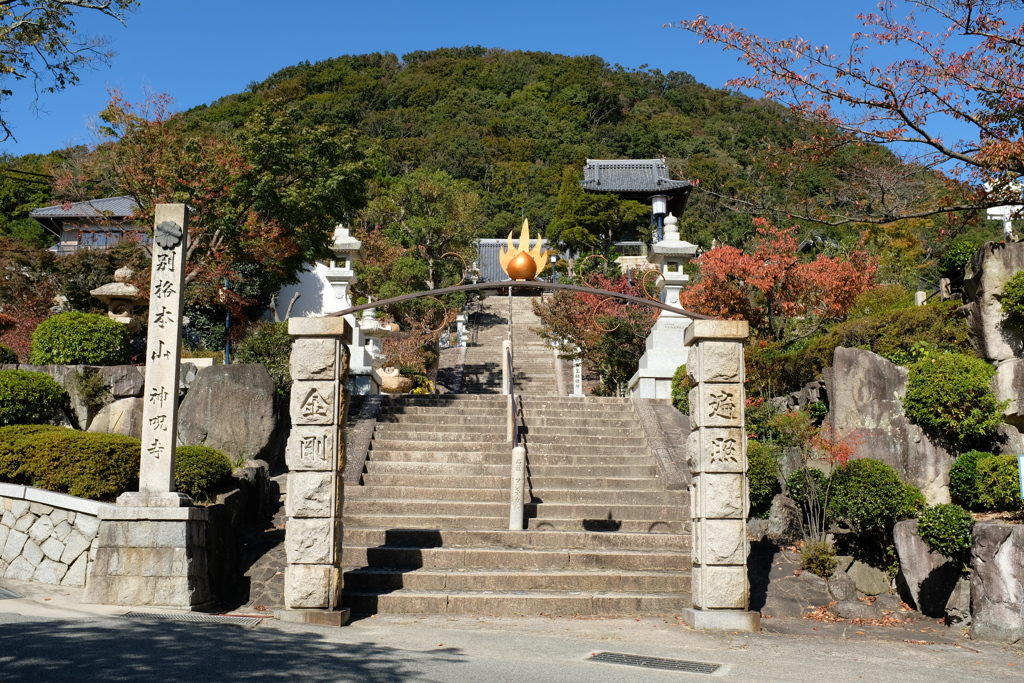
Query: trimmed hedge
998	483
950	397
869	497
84	464
963	479
80	339
946	529
199	471
99	466
29	397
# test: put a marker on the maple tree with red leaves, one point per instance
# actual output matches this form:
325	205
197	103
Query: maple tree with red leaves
606	333
962	62
772	288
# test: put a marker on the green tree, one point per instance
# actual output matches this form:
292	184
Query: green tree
585	222
39	44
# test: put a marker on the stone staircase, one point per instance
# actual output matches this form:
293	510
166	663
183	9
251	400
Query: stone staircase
426	531
533	359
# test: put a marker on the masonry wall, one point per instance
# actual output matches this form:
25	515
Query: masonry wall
46	537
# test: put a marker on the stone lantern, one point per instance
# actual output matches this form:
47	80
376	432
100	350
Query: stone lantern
664	353
340	271
121	298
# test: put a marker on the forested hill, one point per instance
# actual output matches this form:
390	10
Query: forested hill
512	122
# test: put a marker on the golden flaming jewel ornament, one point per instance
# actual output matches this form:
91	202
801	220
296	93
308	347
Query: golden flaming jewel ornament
523	263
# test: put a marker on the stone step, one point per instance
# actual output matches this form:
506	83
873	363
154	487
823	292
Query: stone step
639	526
584	510
381	579
504	456
592	446
536	471
455	492
519	603
371	480
422	431
553	424
517	558
530	540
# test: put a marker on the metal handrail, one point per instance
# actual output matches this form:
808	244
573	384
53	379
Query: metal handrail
517	483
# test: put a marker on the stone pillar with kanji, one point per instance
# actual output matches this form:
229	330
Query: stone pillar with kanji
151	546
315	456
717	456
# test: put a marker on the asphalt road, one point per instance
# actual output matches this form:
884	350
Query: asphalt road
49	646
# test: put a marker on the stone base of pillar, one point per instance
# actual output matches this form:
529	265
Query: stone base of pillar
152	557
721	619
319	617
363	382
650	387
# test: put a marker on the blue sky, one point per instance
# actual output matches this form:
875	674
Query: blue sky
199	50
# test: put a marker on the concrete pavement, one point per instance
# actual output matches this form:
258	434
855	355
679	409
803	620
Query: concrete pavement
49	636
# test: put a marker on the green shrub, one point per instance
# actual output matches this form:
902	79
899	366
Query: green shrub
949	397
963	479
80	339
199	471
11	454
29	397
946	529
7	356
869	497
886	333
271	345
84	464
817	410
1012	301
804	484
880	300
819	559
998	483
955	259
681	390
762	476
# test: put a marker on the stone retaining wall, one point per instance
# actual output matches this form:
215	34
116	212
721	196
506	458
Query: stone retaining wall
46	537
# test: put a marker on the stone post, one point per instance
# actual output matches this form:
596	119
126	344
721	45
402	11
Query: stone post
315	455
151	546
577	377
717	455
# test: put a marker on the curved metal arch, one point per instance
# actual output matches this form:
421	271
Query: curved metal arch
522	284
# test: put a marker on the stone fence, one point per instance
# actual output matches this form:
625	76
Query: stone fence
45	536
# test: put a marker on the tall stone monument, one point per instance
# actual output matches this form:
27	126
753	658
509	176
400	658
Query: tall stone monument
717	456
315	456
151	545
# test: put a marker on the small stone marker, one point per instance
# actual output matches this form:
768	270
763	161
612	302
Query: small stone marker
577	377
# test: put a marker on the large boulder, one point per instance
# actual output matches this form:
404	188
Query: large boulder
784	521
868	580
987	273
233	408
1008	384
866	393
928	577
123	381
123	416
997	583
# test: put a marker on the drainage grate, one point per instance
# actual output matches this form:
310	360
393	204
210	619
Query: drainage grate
8	595
196	618
656	663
